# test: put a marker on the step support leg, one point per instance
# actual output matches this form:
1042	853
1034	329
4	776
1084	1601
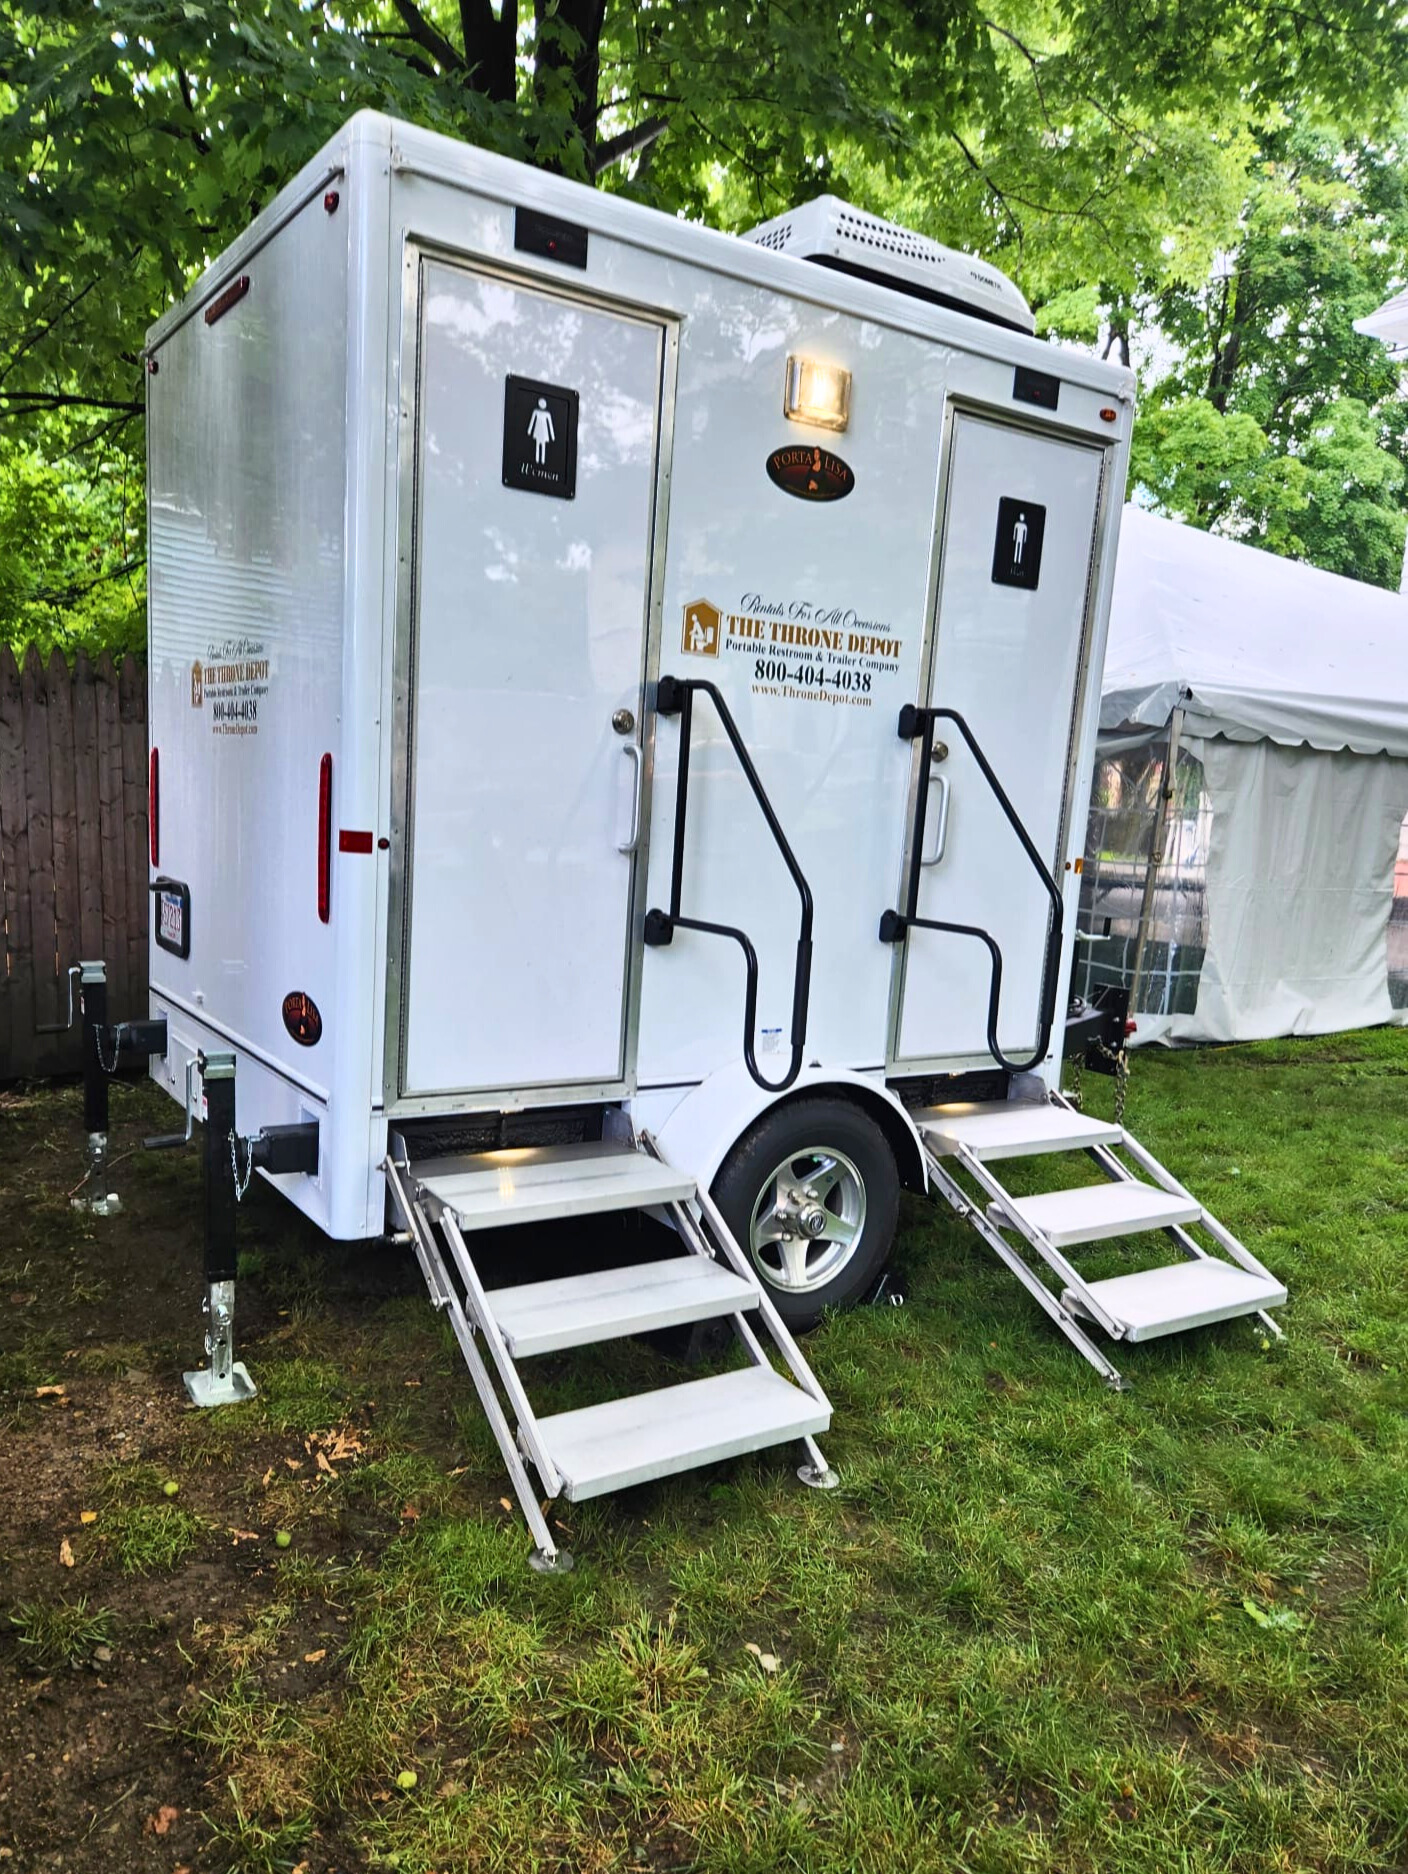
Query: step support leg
816	1473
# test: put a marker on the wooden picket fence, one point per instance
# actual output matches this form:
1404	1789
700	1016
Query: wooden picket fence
73	847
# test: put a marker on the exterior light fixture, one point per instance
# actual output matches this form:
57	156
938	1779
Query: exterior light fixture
817	393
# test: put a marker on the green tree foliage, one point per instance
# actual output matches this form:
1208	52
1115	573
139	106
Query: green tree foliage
1099	151
71	542
1277	421
1219	472
1354	521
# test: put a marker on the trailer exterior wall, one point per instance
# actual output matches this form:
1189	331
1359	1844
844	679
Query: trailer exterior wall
838	773
834	769
248	492
862	570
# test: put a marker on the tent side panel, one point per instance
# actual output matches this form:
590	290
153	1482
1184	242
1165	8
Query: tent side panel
1300	888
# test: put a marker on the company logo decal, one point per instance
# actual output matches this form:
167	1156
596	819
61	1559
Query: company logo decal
231	683
808	649
810	473
701	628
302	1018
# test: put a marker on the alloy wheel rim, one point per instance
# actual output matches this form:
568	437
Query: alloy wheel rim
808	1219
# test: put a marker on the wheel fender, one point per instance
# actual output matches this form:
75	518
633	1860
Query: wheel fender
712	1117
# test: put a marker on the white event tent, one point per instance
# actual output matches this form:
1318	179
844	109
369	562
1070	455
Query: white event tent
1250	795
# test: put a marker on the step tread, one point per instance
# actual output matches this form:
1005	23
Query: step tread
539	1183
994	1129
1184	1295
579	1310
654	1434
1093	1211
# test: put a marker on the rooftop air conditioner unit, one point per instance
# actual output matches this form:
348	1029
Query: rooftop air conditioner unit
832	233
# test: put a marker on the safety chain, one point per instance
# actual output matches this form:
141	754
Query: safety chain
1120	1056
241	1184
108	1067
1075	1090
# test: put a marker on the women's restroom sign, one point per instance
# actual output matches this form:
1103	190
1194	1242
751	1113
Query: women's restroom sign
1016	553
540	438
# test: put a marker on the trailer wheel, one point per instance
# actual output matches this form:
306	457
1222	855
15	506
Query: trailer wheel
812	1194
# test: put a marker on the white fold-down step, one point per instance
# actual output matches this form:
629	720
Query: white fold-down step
654	1434
579	1310
1184	1295
1013	1129
1093	1211
538	1183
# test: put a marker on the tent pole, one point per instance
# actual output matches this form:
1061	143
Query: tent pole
1167	782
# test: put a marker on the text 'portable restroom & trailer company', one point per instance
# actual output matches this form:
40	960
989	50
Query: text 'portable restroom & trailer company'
622	701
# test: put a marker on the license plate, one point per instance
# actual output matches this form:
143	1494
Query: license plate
173	918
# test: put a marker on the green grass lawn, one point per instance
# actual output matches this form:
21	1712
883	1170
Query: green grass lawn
1040	1626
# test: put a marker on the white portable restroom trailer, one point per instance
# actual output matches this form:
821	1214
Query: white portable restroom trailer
622	700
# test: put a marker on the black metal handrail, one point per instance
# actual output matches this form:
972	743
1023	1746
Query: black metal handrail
915	721
675	696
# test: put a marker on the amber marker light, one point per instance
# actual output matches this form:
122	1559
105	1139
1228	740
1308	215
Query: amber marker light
816	393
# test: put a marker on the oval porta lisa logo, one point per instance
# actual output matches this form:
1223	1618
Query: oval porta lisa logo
810	473
301	1018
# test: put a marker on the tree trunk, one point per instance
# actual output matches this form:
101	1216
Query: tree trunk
492	45
1118	336
580	61
1227	351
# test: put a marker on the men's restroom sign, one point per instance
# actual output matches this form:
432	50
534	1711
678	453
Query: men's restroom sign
540	437
1016	553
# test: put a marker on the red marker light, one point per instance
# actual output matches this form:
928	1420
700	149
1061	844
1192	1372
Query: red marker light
331	200
325	839
1107	415
154	807
231	296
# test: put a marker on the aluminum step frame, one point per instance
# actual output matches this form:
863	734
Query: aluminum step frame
970	1211
703	1232
554	1316
1078	1215
1057	1129
995	1229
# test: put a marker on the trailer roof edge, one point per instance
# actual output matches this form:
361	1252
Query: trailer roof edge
439	158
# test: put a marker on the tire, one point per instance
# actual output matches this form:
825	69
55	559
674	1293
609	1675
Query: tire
840	1220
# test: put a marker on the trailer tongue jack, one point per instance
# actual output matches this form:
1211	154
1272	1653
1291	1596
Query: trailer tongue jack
226	1380
93	1001
229	1163
103	1047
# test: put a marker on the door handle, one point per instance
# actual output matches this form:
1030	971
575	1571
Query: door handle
939	822
632	752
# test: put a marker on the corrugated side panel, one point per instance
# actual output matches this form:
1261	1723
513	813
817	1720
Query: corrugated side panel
246	452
